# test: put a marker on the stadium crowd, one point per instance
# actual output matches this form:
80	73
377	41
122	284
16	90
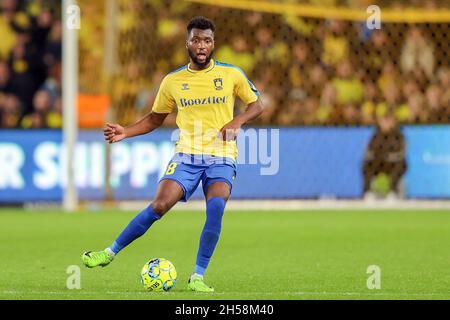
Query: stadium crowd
30	58
309	71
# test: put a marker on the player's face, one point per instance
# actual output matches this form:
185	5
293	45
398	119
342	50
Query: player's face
200	46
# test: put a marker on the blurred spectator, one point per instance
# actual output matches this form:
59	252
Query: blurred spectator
268	103
270	49
308	113
417	53
369	103
392	102
131	90
5	78
53	48
438	112
335	43
153	88
237	53
54	116
351	114
389	75
384	162
10	111
349	88
9	37
298	70
42	108
291	115
327	103
376	53
410	87
416	111
443	76
23	81
34	120
317	78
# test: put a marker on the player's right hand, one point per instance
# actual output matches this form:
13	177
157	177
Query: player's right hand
114	132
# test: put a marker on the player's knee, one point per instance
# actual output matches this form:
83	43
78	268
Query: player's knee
214	212
161	206
218	189
216	205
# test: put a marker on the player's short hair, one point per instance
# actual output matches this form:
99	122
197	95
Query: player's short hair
201	23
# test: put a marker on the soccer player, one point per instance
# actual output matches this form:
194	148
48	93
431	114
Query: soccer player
204	92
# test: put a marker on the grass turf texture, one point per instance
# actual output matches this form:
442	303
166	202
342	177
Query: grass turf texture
261	255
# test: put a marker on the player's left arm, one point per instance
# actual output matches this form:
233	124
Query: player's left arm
247	92
231	129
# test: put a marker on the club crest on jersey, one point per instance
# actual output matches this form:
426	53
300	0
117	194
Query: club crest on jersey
185	86
218	83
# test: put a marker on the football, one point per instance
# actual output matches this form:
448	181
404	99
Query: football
158	275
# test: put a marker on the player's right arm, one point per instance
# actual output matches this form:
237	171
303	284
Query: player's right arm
115	132
163	105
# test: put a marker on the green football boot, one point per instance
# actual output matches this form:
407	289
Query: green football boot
98	258
196	284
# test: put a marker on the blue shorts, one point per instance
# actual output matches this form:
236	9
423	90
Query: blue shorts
189	169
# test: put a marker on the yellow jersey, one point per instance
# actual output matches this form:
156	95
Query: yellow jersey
205	102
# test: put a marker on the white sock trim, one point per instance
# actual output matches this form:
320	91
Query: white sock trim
196	275
110	252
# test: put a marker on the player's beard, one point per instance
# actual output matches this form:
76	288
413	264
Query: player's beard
200	64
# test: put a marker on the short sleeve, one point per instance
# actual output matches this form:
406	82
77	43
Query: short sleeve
164	102
244	88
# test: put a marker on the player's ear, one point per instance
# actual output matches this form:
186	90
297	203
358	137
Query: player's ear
187	40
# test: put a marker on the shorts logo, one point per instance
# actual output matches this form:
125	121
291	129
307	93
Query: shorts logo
185	86
218	83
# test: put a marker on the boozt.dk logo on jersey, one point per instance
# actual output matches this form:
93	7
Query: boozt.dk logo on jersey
185	86
218	83
202	101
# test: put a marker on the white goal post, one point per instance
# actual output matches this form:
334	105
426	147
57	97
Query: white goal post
71	24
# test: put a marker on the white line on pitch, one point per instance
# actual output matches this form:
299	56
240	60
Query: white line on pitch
78	292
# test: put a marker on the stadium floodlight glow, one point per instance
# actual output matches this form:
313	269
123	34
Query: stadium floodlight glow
71	14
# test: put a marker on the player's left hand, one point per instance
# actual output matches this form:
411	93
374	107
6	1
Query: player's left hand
230	131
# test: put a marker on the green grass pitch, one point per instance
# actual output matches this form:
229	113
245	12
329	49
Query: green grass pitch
261	255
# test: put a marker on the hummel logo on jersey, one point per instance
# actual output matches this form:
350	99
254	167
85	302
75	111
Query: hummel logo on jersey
185	86
207	100
218	83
